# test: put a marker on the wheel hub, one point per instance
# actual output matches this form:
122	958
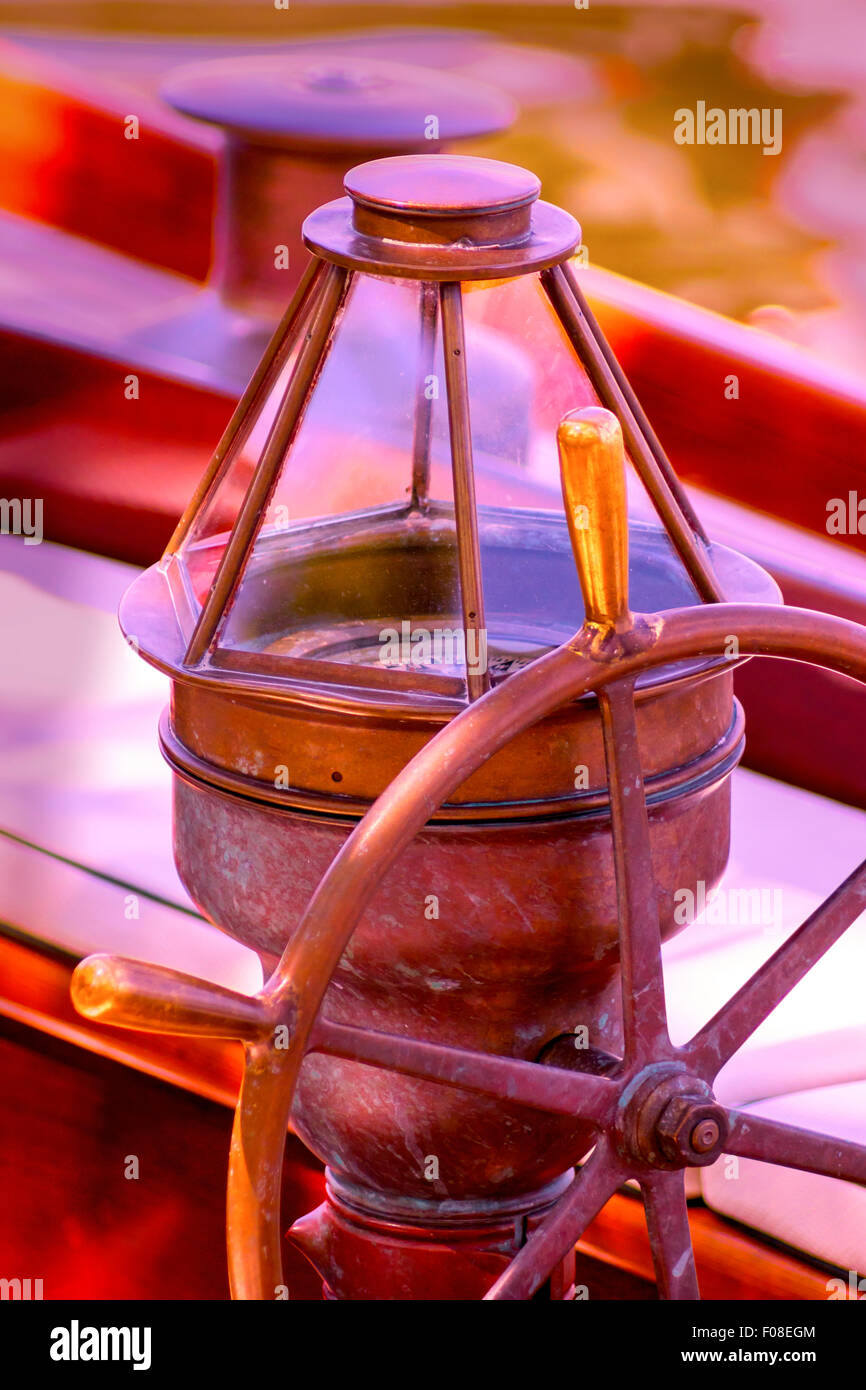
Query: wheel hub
670	1119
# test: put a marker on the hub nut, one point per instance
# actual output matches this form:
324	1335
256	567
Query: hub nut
691	1129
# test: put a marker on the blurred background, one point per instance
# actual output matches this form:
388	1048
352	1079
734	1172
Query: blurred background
773	240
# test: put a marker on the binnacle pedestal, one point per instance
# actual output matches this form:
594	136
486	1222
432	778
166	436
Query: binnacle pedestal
331	601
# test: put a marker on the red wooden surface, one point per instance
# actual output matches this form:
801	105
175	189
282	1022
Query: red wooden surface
71	1123
731	1263
64	159
114	474
794	436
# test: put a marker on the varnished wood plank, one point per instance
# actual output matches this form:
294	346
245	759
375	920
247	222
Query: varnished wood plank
74	1215
731	1264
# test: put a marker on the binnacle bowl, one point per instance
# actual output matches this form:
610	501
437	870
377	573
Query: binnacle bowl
496	929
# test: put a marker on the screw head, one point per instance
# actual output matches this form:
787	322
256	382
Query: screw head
705	1136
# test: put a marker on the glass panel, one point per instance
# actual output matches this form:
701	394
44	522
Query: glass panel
345	567
355	559
203	547
524	376
518	464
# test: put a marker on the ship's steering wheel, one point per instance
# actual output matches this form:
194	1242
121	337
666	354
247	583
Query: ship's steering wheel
656	1114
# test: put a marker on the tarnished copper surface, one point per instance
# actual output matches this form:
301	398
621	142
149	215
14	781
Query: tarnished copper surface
456	948
536	776
477	220
457	955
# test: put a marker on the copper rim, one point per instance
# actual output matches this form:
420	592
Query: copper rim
330	234
695	776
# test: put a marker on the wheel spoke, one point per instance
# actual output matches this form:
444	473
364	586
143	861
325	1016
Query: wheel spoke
596	1181
667	1219
553	1089
737	1020
768	1141
643	995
